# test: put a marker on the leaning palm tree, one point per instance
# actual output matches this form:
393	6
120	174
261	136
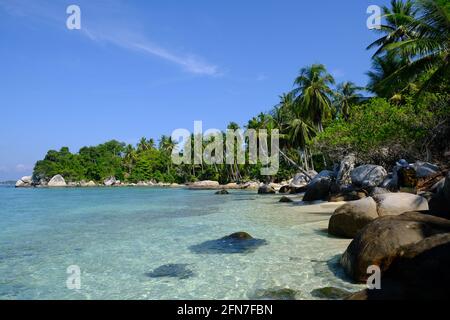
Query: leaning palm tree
428	50
396	28
313	93
345	96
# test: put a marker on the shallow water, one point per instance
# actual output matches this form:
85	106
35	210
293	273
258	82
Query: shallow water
140	243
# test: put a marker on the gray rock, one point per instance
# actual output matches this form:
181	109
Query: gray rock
346	166
319	187
24	182
330	293
286	199
179	271
266	189
222	192
239	242
368	176
275	294
110	181
301	179
424	169
57	181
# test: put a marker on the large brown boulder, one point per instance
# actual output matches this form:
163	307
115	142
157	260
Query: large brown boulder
351	217
382	241
420	271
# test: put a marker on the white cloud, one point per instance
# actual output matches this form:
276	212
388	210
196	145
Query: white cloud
111	32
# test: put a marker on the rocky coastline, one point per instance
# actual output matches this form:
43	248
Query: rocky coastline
398	219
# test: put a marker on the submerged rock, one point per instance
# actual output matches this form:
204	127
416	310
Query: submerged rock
286	199
239	242
266	189
57	181
180	271
331	293
275	294
223	191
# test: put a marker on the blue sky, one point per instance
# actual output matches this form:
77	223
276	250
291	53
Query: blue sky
144	68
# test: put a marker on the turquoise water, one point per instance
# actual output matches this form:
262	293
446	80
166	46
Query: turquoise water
119	237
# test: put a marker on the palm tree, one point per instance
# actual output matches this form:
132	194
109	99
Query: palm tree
398	17
313	93
130	158
345	96
382	68
166	145
143	145
428	48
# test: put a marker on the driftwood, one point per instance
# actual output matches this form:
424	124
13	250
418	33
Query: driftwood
426	183
296	165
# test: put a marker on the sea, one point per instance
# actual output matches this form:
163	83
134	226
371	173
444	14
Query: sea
155	243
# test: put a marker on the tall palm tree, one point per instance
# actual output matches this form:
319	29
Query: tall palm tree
345	96
398	17
428	48
313	93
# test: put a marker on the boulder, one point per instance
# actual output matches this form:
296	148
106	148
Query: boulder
285	189
91	184
381	241
300	179
206	184
238	242
424	169
231	185
419	272
346	166
398	203
251	185
377	190
286	199
350	218
57	181
368	176
222	192
110	181
347	196
319	187
266	189
24	182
